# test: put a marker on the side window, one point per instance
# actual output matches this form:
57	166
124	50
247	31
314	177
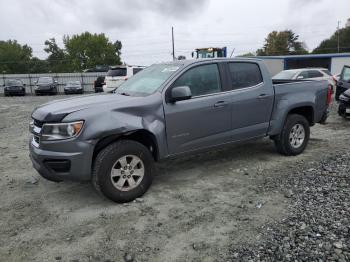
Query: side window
245	74
202	80
304	74
315	74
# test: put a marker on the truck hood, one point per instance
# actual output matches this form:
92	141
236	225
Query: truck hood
347	93
56	110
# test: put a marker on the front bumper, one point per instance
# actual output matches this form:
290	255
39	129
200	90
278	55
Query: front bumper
15	92
62	160
45	90
73	91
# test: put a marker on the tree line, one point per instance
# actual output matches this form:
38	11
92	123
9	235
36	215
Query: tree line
287	43
86	51
80	52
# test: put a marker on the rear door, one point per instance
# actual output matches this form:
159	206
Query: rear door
252	100
205	119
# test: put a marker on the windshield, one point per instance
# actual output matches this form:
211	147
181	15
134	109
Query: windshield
285	75
73	83
45	80
205	54
117	72
148	80
14	83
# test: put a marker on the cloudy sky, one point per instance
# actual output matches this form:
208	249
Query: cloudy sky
144	26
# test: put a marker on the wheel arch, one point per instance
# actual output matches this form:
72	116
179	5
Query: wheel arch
142	136
306	111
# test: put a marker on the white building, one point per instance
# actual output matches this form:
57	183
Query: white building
333	62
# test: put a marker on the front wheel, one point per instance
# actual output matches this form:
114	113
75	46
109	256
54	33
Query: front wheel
294	137
123	171
342	110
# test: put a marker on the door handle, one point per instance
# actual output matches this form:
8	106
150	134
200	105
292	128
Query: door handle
263	96
221	104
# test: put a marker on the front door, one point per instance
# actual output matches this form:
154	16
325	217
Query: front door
344	81
205	119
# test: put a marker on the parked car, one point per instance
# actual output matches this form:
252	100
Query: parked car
14	87
73	87
344	82
98	84
167	110
307	73
46	85
344	104
118	75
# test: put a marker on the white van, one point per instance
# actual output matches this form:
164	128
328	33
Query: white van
119	74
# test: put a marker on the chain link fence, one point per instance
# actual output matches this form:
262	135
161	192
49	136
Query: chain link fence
86	79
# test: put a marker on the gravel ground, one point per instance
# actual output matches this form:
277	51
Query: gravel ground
318	225
241	203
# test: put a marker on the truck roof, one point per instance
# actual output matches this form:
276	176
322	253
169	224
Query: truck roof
195	61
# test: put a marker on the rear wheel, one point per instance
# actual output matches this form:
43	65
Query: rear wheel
294	137
123	171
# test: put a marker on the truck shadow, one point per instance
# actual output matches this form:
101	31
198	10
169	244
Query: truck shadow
234	156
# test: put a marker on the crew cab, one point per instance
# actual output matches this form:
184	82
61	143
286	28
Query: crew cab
167	110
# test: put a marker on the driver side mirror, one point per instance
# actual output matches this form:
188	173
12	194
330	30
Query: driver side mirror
180	93
300	77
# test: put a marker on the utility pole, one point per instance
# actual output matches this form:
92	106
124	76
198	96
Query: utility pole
172	36
338	28
232	52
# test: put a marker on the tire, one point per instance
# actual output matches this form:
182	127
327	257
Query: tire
290	146
342	111
110	158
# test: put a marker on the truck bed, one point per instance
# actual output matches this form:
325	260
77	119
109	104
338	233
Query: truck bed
311	95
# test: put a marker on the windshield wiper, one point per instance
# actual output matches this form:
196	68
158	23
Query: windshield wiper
124	94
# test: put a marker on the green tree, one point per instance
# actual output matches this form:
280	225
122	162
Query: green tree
282	43
88	50
330	45
37	66
14	58
57	60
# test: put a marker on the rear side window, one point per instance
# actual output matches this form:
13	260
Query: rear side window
117	72
245	74
345	75
327	72
136	70
202	80
314	74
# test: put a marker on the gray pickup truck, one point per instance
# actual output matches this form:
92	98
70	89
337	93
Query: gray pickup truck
168	110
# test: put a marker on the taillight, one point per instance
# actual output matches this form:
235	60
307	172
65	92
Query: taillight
125	78
329	95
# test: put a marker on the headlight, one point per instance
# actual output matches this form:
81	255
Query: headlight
61	131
